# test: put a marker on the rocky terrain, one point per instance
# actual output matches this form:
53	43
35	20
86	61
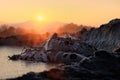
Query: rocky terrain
102	66
106	37
94	56
57	49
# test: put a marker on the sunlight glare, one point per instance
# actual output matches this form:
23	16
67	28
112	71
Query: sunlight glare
40	18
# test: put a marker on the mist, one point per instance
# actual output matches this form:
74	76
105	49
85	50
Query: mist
28	33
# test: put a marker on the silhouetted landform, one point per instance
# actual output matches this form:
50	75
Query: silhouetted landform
18	36
11	36
81	61
71	28
105	37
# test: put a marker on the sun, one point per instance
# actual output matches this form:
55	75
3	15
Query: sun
40	18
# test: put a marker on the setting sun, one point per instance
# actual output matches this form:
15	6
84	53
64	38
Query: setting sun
40	18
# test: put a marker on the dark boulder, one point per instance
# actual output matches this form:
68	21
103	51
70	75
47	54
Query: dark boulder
14	57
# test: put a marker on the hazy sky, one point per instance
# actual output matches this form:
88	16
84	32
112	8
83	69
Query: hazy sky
89	12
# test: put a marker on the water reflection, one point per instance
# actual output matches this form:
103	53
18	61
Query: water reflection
10	69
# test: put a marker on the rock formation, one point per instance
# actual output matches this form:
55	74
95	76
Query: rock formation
81	61
102	66
106	37
58	49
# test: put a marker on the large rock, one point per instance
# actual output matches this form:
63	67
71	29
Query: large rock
68	44
105	37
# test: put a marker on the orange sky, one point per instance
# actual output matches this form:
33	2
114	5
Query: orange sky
88	12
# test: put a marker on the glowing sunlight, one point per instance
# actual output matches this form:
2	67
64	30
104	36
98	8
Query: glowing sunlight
40	18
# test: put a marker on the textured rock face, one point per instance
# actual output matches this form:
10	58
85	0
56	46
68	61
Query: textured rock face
68	44
34	54
105	37
58	49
